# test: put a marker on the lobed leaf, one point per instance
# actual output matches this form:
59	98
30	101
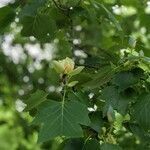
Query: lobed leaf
60	119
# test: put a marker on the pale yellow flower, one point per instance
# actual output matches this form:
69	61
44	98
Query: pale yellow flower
66	66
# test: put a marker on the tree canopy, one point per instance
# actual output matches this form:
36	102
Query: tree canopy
75	74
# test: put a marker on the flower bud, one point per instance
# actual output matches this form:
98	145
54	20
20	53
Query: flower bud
110	114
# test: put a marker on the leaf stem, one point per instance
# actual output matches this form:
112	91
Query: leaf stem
65	89
86	141
64	95
59	7
111	128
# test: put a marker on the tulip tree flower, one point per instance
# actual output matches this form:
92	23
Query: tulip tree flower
66	66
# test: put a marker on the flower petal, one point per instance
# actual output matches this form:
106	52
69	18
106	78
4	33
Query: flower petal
76	71
58	66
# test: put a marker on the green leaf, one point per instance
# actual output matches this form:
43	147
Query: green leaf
96	121
79	96
134	3
60	119
73	83
125	80
144	21
63	45
145	64
76	71
41	26
141	111
72	144
138	131
83	78
35	99
119	120
115	99
7	14
112	18
70	3
91	145
103	76
110	15
110	147
31	9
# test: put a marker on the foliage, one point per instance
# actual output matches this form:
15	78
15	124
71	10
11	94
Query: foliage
81	70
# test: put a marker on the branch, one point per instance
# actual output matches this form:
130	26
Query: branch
59	7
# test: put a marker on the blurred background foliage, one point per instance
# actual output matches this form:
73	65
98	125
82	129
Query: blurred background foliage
100	35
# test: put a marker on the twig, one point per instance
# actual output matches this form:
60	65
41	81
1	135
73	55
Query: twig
59	7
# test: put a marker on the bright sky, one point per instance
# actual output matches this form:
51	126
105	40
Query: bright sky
5	2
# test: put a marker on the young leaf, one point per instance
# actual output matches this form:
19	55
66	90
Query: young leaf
61	120
132	42
76	71
73	83
110	114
